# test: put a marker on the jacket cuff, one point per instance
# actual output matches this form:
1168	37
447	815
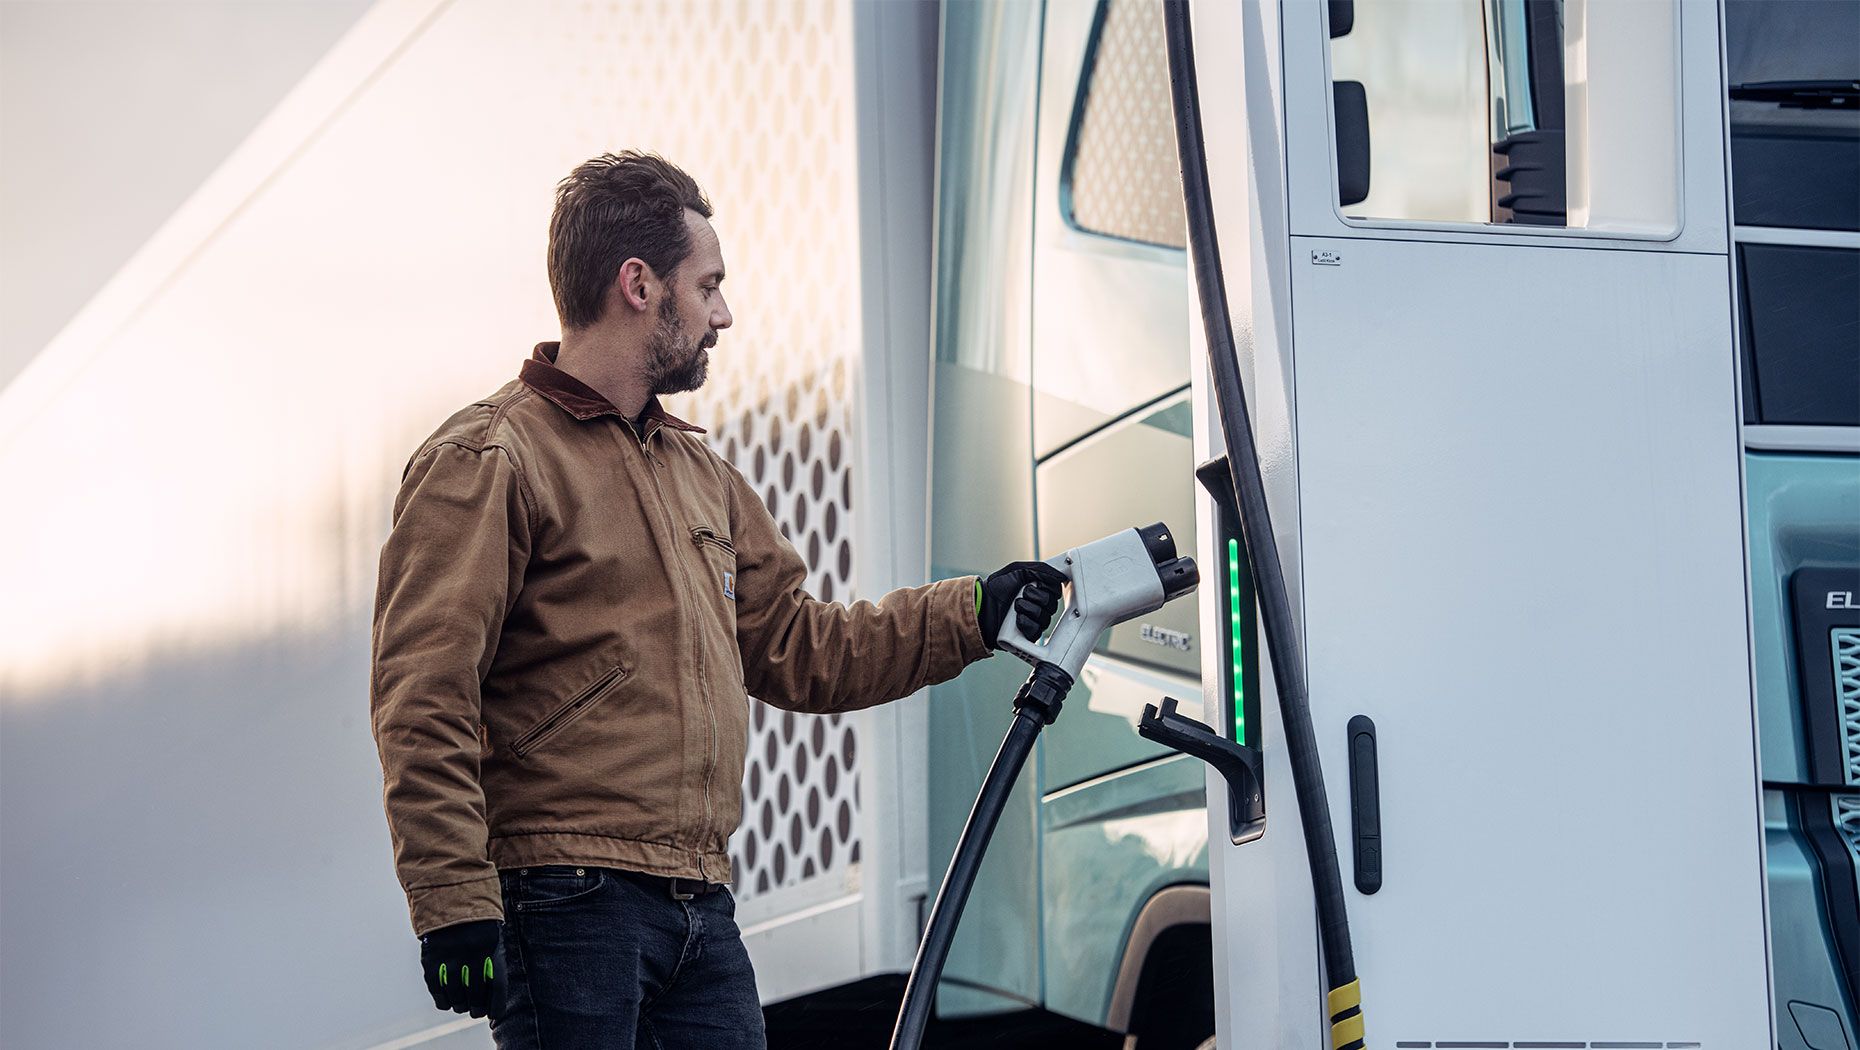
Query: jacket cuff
438	906
970	643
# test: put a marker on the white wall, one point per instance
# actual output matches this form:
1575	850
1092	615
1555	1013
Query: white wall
206	455
111	114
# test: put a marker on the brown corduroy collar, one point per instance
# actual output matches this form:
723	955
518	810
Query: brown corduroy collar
579	399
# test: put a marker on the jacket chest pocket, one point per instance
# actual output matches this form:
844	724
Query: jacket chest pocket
574	708
719	557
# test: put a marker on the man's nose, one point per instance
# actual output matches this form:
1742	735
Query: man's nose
721	318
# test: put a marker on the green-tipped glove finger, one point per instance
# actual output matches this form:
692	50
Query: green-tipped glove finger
464	967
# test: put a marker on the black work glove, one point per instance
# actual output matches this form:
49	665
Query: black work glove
464	967
1002	593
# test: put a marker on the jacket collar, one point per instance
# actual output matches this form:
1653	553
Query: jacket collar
580	400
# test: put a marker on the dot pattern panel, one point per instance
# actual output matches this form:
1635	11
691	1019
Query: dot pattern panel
755	101
801	785
1124	176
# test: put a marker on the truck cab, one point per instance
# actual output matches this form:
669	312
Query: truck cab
1062	414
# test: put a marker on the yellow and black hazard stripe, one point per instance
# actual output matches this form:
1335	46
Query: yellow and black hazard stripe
1346	1017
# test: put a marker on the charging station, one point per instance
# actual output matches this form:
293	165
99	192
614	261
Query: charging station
1503	463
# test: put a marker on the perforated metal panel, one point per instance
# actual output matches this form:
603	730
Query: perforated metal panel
1845	641
1123	176
801	786
758	107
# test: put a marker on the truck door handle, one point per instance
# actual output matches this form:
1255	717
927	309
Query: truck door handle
1365	804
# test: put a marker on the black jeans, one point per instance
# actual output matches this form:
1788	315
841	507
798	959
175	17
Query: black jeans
609	960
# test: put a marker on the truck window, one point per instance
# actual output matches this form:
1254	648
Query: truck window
1794	73
1120	175
1504	113
1802	333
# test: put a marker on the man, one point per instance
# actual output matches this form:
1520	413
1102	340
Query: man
575	602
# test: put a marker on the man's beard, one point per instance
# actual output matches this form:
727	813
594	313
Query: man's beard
674	364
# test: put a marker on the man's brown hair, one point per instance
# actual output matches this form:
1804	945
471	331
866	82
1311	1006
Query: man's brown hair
610	209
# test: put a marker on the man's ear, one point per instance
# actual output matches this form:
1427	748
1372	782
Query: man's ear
635	286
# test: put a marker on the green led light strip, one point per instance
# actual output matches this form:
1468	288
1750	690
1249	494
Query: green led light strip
1234	632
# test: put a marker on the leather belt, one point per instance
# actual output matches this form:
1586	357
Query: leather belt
680	889
685	889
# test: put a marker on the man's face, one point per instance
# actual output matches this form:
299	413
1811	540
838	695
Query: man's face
690	315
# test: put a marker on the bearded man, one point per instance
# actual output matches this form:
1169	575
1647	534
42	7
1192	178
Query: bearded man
576	600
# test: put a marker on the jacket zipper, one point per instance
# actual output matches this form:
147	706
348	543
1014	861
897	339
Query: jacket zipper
710	755
704	534
562	715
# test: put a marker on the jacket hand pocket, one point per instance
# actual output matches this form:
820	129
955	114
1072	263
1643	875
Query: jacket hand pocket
576	706
555	885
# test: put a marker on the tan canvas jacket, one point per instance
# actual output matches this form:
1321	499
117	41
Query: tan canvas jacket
569	619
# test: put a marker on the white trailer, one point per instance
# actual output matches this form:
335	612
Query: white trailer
199	471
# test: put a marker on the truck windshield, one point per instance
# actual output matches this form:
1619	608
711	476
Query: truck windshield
1794	71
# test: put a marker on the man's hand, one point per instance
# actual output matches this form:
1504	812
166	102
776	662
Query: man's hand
464	967
1001	594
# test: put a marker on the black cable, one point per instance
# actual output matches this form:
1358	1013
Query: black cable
1256	522
1034	709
